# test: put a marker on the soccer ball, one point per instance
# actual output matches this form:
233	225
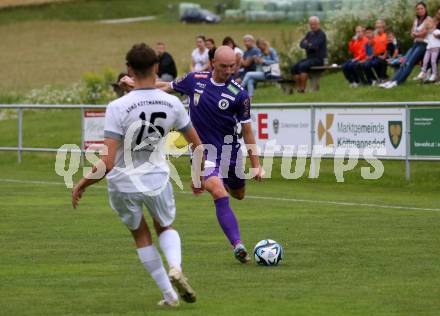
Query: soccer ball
268	252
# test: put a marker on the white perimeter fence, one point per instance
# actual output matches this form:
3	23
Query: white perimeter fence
406	130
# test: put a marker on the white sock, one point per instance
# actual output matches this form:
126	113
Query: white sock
169	242
152	262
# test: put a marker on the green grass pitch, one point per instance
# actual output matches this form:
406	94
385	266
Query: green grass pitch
355	248
339	259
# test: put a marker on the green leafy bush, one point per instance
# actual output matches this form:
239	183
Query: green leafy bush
95	88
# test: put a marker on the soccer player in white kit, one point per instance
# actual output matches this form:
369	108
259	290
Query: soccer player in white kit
138	174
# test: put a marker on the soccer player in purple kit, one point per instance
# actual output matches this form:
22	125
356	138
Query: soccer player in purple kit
217	104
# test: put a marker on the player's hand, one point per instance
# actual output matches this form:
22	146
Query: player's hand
200	190
258	175
77	193
126	83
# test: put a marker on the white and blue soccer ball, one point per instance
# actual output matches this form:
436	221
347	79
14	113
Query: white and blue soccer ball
268	252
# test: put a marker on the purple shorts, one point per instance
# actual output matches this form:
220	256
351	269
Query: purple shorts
232	175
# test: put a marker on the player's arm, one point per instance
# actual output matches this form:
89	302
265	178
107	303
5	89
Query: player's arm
164	86
126	83
198	158
183	85
99	170
249	140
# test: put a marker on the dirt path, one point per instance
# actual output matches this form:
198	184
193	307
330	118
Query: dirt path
16	3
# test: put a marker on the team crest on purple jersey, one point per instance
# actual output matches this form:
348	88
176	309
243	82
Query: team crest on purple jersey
223	104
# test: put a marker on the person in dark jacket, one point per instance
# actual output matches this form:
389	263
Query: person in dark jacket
167	66
315	44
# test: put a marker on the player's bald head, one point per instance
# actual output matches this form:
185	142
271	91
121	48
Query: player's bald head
224	63
224	54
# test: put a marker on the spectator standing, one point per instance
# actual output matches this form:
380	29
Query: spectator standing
416	52
356	48
167	66
315	44
269	65
432	53
200	58
228	41
248	63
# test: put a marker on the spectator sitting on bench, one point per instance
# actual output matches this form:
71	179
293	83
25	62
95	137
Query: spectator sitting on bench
210	43
356	48
228	41
315	44
248	62
211	54
378	61
393	49
369	34
268	64
416	53
199	56
167	67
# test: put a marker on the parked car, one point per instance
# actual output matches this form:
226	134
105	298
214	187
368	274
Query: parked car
199	16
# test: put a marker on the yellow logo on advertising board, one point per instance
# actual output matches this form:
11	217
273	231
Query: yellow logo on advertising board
323	130
395	132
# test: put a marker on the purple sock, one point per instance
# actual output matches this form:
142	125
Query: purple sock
227	220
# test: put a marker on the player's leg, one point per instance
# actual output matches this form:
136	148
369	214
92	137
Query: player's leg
170	244
162	209
226	217
235	183
237	194
169	241
129	209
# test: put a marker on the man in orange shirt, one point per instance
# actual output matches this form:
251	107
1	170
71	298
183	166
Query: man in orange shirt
378	62
356	47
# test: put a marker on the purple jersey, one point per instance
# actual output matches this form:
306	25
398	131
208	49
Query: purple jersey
215	108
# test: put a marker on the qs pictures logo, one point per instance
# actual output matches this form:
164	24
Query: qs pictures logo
323	130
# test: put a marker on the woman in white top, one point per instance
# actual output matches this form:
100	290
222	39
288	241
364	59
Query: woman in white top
228	41
200	57
417	51
432	53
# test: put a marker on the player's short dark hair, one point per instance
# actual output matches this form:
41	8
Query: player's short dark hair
141	58
369	28
210	40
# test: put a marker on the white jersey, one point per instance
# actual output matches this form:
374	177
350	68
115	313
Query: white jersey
141	120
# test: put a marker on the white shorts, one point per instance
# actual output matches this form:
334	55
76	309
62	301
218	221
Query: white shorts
129	206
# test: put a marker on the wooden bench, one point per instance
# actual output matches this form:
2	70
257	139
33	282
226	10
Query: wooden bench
316	73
